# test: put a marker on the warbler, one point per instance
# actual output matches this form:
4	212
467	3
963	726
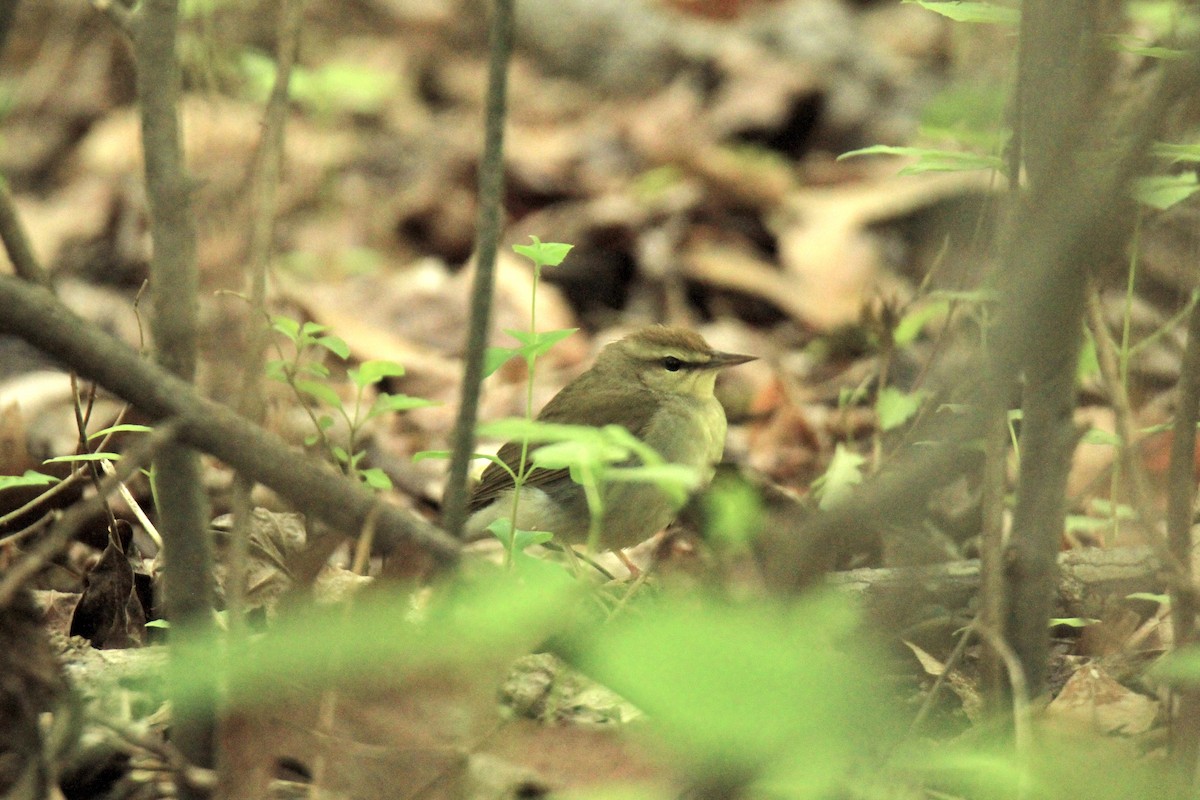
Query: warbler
657	383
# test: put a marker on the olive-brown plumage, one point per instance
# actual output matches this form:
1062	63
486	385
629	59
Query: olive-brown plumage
658	384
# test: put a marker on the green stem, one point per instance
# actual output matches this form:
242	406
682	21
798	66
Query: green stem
1123	363
530	369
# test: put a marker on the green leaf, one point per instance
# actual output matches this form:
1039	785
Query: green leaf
570	454
912	323
123	428
843	474
733	512
980	13
502	529
676	480
1179	667
83	457
1164	191
276	370
622	437
346	87
395	403
287	326
527	539
335	345
537	431
1089	361
536	344
1126	43
1161	599
492	619
954	408
496	357
372	372
314	368
574	447
969	114
1081	523
930	160
848	396
424	454
522	540
1102	506
320	392
734	688
340	454
1098	436
28	478
1161	16
309	330
543	254
652	184
972	296
895	407
192	9
1073	622
376	478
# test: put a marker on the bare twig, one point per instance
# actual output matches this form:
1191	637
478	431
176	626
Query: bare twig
183	511
1022	722
16	241
1139	489
257	325
8	11
960	647
491	184
1181	497
1058	42
42	523
165	752
262	225
134	506
92	468
1059	232
993	593
118	15
58	488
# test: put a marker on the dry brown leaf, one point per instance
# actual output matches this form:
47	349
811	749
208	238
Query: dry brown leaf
14	454
219	134
418	316
78	212
826	247
729	266
407	739
1093	698
928	663
1091	461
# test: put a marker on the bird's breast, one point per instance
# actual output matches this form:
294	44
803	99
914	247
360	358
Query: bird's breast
689	431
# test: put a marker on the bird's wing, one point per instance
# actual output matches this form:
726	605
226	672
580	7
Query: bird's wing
604	408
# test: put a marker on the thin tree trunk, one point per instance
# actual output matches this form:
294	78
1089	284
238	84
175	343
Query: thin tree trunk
183	506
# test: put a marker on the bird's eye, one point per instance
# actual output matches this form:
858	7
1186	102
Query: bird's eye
672	364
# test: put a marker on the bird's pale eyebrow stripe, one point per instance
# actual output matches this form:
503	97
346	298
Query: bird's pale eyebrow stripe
692	364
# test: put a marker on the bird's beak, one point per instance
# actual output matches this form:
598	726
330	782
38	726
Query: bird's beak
721	360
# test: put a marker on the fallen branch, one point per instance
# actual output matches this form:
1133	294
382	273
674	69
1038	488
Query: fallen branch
1090	581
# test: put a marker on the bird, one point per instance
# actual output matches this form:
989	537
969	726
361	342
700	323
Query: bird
657	382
